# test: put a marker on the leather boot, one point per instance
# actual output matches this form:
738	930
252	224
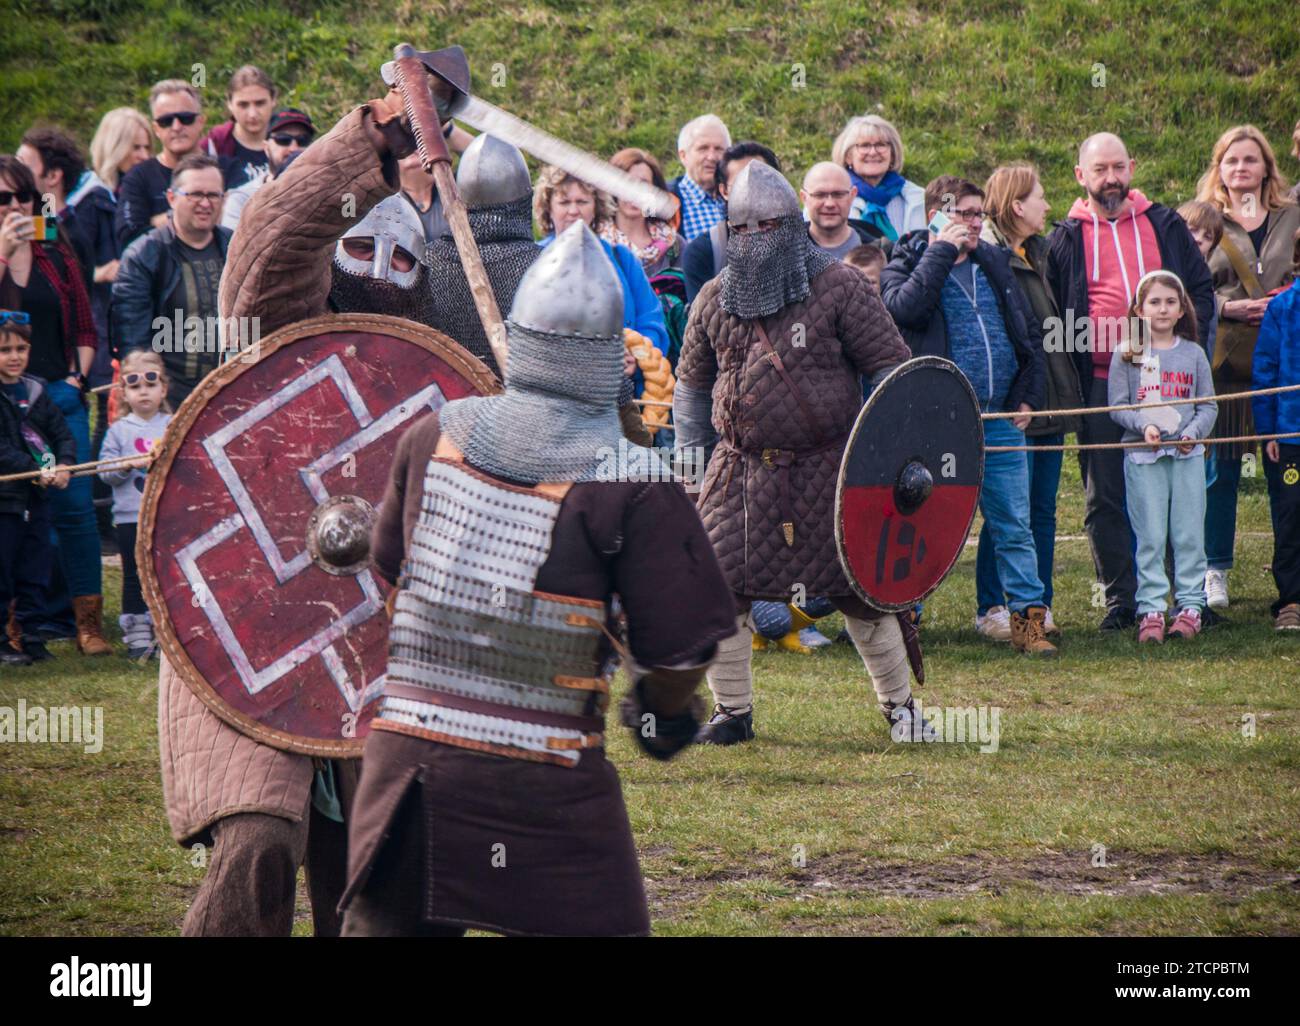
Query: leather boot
1029	632
89	611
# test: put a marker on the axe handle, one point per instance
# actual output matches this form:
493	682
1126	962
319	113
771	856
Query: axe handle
417	97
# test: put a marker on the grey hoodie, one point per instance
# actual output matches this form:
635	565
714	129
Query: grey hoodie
1182	372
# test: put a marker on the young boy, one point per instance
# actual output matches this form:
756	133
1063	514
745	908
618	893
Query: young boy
33	436
869	259
1277	363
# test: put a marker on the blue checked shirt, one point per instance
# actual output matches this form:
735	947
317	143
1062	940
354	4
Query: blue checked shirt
700	211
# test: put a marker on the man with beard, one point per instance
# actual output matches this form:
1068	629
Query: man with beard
772	357
487	801
291	131
1096	257
493	182
266	811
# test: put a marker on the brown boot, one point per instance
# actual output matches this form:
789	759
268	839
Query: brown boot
13	632
1029	632
89	611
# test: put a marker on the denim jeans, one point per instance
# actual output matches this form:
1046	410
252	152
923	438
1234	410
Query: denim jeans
1004	501
1224	476
72	509
1044	480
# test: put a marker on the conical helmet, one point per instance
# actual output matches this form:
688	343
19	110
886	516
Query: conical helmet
492	172
571	289
392	222
760	193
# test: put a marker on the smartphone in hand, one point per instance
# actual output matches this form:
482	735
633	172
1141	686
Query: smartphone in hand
45	229
939	222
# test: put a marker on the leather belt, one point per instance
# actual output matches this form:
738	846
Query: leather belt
780	461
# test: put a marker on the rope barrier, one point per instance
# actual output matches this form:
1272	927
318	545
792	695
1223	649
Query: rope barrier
1141	406
1165	444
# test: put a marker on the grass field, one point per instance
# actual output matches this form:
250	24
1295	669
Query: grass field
824	825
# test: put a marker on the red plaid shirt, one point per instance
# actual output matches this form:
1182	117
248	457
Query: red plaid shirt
74	300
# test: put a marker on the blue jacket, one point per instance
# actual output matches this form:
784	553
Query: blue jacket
1277	363
641	310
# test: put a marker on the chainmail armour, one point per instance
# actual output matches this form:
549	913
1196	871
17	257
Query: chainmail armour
768	271
505	242
558	417
357	293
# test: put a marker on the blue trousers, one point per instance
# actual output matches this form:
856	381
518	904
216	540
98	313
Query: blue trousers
72	509
1166	504
1044	481
1004	501
1224	476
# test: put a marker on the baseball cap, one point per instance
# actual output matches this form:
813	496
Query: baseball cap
286	116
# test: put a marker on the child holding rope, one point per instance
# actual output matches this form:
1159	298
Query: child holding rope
1165	484
144	396
33	437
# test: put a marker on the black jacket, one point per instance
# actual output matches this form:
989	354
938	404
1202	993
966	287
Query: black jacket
146	278
1067	274
911	285
15	458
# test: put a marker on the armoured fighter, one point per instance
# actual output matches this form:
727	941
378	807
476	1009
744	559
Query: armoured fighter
770	373
487	800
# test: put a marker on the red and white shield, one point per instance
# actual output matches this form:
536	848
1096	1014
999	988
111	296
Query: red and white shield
284	651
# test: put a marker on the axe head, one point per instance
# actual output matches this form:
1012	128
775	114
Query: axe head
449	64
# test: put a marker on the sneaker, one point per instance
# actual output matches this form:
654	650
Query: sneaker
905	724
8	657
137	634
1118	619
1216	588
1209	618
1187	624
1049	625
995	624
1152	628
726	727
1029	632
1288	618
811	637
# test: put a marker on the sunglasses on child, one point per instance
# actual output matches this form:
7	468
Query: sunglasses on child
14	316
187	117
135	377
21	195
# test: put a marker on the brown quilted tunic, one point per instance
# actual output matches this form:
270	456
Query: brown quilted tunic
839	332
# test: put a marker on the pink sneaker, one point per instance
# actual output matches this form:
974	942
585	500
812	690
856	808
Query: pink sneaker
1152	628
1187	624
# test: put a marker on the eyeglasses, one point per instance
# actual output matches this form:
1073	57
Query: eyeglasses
198	197
837	195
21	195
15	317
187	117
135	377
883	147
968	215
288	139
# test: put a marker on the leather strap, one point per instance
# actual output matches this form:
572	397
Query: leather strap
814	422
1245	273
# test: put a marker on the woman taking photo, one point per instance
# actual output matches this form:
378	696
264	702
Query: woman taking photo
1253	259
43	279
1017	216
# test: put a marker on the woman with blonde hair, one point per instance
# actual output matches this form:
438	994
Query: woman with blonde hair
654	241
871	150
121	141
1252	261
1017	215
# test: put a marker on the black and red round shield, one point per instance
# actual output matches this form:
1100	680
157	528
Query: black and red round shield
909	483
284	649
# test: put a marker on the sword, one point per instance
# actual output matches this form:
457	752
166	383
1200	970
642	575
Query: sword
601	174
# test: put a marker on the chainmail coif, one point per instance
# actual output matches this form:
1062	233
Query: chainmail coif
359	293
558	417
767	271
504	234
